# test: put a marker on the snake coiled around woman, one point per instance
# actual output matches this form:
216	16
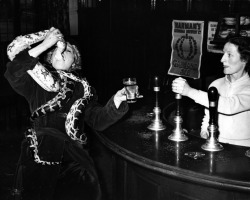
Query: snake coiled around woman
64	86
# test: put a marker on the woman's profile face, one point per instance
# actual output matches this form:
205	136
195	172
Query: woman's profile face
232	62
67	59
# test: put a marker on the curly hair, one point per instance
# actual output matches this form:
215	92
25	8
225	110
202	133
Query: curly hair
77	65
243	44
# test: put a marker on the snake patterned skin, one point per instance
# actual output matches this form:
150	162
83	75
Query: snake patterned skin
72	119
64	86
40	74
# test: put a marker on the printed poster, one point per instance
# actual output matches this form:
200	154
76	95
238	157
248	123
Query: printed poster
213	48
187	38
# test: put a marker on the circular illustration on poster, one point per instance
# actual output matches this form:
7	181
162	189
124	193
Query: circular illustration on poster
186	47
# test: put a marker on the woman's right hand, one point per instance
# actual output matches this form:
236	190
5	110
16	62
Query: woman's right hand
53	36
180	86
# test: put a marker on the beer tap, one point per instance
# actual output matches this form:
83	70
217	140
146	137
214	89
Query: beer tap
212	143
178	133
156	125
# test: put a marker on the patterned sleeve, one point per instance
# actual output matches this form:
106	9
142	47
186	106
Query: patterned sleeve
17	76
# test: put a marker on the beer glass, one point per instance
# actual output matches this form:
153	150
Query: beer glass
131	88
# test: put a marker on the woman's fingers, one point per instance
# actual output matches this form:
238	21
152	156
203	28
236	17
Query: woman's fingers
178	85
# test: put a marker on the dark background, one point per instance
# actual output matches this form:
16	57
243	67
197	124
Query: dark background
117	39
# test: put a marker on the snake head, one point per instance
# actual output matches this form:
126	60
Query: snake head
61	45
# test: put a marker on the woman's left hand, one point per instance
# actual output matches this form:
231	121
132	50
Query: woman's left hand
119	97
53	36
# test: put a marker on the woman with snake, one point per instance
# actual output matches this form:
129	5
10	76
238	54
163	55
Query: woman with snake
54	156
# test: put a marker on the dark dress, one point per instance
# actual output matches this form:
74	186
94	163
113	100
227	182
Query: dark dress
75	177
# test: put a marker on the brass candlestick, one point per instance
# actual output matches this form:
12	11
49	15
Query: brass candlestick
156	124
212	143
178	133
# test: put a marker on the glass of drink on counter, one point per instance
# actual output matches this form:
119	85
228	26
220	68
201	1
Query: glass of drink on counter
131	88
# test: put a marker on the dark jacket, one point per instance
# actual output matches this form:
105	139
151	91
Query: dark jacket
52	138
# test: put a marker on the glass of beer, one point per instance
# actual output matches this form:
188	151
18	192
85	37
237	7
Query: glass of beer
131	88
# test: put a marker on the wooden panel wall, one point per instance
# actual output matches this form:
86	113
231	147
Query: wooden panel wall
128	38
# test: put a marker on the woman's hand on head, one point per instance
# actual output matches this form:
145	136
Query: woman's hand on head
53	36
180	86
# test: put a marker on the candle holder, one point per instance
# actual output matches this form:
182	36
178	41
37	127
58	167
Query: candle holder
178	133
156	124
212	143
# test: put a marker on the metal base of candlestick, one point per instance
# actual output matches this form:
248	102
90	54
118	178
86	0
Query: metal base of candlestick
212	146
178	133
212	143
157	124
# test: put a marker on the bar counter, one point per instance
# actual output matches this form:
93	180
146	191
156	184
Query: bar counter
136	163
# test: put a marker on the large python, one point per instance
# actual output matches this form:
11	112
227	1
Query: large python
64	86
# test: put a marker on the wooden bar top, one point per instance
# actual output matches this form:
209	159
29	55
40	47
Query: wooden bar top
132	140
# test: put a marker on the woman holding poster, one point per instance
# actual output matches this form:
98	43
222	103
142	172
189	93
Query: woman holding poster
234	94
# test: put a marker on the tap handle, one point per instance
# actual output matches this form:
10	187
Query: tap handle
212	97
156	84
178	98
